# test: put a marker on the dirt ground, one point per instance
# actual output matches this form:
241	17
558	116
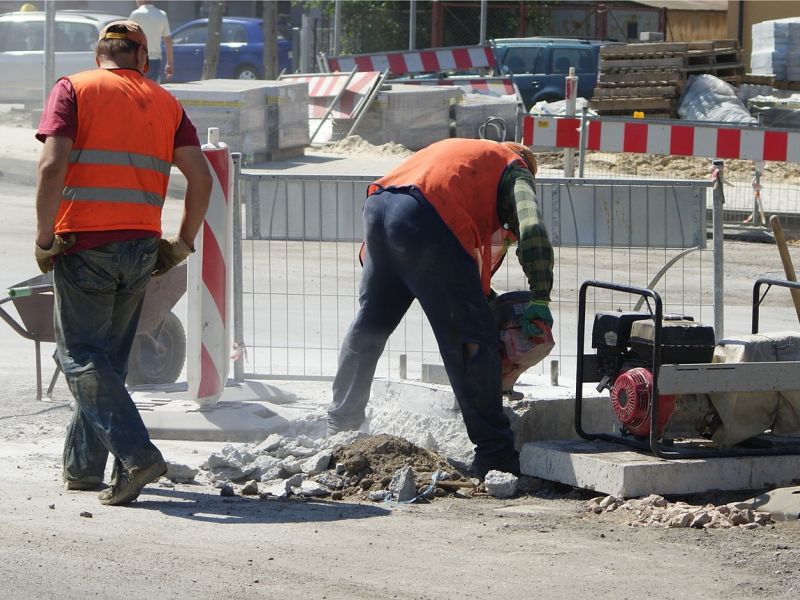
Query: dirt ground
189	541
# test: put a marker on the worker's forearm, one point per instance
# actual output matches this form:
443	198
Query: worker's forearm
534	250
48	199
168	46
196	204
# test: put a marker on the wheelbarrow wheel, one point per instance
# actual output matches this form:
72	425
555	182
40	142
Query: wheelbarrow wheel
157	356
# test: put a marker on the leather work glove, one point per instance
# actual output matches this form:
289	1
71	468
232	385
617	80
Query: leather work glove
44	256
537	310
171	252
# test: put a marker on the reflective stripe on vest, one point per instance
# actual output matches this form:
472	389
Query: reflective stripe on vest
95	194
107	157
109	194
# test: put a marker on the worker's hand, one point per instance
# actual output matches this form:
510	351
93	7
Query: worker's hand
171	252
167	72
44	256
537	310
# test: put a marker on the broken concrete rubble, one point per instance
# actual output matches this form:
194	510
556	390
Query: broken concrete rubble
403	485
180	473
656	511
501	485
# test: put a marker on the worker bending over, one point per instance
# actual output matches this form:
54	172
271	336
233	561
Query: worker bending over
429	227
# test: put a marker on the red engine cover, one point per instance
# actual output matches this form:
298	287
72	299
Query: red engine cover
631	398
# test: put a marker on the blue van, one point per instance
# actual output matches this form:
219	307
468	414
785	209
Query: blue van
538	65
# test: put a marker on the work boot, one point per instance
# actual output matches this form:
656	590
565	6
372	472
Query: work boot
334	428
84	484
482	466
128	484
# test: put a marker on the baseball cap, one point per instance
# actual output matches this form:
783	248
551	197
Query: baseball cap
124	30
524	153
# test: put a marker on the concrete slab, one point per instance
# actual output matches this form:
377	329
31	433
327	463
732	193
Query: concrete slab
247	412
783	503
619	471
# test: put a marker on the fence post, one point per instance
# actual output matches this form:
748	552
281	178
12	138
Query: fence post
718	167
238	286
570	99
584	134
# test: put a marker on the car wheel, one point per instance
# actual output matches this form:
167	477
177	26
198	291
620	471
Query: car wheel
157	356
246	72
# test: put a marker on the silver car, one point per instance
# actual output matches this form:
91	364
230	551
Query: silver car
22	50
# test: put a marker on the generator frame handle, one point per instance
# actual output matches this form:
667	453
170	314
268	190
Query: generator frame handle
758	298
657	316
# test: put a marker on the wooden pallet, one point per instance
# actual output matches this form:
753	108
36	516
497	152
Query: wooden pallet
663	91
644	78
602	105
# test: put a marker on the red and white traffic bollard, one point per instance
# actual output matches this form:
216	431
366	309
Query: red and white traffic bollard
209	283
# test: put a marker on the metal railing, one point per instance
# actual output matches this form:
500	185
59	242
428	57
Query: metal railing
298	268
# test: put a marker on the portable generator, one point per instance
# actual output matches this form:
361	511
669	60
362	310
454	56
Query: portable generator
678	393
624	365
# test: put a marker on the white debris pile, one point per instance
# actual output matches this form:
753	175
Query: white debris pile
656	511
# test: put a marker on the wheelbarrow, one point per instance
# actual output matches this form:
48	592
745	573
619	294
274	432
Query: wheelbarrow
159	348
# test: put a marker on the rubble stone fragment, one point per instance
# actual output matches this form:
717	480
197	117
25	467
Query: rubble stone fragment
251	489
317	463
403	485
180	473
501	485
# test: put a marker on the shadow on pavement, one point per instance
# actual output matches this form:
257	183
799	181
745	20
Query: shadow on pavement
236	510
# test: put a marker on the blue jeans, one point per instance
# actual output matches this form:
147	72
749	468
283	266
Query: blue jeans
98	298
411	253
154	70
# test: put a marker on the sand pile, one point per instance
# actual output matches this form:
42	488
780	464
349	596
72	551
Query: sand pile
354	144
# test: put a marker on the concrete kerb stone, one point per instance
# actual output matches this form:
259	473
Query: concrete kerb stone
619	471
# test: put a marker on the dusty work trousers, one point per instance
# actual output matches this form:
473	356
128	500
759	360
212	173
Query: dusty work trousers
98	298
411	253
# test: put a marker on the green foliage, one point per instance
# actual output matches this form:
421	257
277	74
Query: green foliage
383	25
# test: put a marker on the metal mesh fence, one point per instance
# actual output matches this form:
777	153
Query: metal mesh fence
301	271
753	191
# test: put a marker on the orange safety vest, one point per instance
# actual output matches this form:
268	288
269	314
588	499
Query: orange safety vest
461	180
120	161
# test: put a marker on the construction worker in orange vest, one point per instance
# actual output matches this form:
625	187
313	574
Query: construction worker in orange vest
110	137
429	227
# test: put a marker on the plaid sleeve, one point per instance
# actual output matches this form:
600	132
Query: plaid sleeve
517	206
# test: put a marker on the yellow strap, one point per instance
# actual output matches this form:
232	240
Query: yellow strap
115	36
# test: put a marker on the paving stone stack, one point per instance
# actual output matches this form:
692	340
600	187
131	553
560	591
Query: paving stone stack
649	77
264	120
414	116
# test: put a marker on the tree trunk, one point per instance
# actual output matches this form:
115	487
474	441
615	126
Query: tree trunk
211	58
270	27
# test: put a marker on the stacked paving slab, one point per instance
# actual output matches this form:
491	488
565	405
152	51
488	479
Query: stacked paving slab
650	77
264	120
411	115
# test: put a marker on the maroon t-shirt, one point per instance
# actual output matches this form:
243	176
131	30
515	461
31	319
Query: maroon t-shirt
60	117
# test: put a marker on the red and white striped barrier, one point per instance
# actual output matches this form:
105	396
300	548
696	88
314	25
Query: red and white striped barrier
323	88
491	86
209	284
432	60
680	139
